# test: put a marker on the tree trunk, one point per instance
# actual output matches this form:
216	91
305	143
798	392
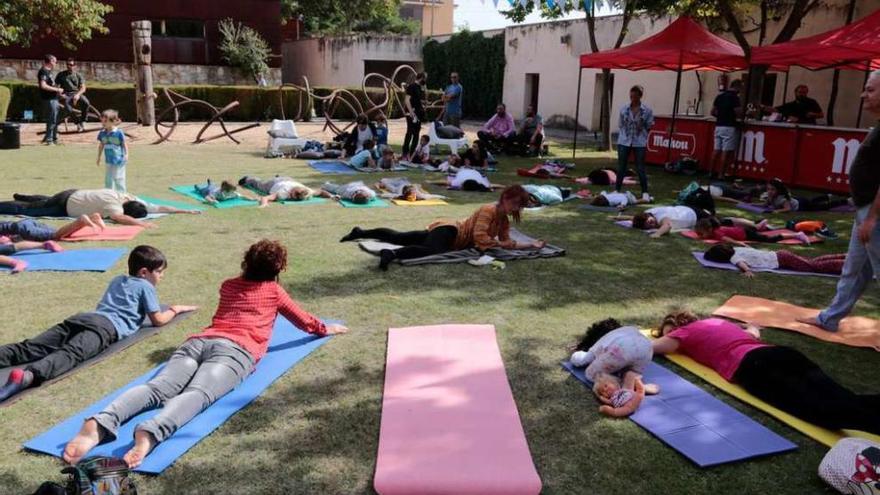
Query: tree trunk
141	32
835	79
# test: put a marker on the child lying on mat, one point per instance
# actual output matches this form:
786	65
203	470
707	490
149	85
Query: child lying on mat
278	189
746	259
618	199
780	200
546	195
665	219
128	300
32	230
8	248
605	177
615	357
209	364
224	192
468	179
739	230
357	192
402	188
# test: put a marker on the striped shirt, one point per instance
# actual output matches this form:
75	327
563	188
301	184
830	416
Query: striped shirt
485	229
246	315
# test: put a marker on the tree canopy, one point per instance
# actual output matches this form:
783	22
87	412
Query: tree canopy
70	21
349	16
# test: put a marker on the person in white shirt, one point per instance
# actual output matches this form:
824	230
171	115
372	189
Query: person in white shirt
618	199
468	179
748	260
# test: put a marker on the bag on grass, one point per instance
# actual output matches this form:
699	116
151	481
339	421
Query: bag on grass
448	131
683	166
100	476
852	467
687	191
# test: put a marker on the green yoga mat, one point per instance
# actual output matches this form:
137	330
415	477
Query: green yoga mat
375	203
314	200
173	204
189	192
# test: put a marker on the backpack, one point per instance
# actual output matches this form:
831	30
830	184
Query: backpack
852	466
687	191
94	476
683	166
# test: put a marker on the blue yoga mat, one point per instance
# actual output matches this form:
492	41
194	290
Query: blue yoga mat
288	346
332	167
700	427
189	191
74	260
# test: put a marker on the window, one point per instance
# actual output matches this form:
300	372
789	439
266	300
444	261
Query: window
178	28
411	12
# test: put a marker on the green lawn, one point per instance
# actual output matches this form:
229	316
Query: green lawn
316	429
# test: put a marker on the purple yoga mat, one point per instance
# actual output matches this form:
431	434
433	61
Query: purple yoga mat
843	209
753	208
701	259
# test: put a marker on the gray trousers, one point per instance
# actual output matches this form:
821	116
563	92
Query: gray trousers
198	373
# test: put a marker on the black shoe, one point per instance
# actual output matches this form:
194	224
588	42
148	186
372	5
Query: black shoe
242	181
354	235
386	256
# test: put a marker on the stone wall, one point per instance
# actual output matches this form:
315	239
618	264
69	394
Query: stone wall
112	72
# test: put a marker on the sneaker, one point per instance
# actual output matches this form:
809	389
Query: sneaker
826	233
80	127
647	197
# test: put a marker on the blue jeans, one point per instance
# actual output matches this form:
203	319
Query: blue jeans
28	229
623	162
862	263
50	113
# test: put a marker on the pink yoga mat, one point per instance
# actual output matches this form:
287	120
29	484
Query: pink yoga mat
110	233
449	421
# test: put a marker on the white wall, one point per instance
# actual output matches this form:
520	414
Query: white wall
552	50
339	61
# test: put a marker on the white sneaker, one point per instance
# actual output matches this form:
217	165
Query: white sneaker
647	197
482	261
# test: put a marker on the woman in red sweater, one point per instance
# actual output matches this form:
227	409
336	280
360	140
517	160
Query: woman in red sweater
209	364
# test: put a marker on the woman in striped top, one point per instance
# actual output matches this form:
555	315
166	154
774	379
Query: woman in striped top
209	364
486	228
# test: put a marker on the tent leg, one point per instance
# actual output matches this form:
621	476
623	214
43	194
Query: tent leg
674	113
577	113
785	88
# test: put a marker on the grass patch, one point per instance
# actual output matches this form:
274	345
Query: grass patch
316	429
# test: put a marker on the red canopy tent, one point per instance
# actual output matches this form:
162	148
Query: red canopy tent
684	45
854	46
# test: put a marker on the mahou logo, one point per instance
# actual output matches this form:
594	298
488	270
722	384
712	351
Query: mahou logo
750	155
844	153
680	142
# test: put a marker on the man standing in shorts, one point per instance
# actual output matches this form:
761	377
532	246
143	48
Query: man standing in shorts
726	109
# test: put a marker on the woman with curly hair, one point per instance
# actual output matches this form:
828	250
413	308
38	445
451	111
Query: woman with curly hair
778	375
209	364
487	228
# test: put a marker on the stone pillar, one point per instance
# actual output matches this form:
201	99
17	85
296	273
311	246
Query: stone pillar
141	33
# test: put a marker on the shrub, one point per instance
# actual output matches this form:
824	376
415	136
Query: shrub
244	48
5	97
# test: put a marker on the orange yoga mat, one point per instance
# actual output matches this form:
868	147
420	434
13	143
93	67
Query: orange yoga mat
449	421
110	233
856	331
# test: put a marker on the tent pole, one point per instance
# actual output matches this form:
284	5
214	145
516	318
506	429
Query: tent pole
861	100
577	113
674	113
785	89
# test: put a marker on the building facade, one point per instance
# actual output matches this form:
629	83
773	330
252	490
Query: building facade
436	17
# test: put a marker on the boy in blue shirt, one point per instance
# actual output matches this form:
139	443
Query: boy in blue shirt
129	299
381	133
115	149
365	157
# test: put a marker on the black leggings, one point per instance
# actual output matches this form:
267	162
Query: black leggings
785	378
34	205
753	235
417	243
820	203
411	139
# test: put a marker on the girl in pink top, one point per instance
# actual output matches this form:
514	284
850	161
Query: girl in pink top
780	376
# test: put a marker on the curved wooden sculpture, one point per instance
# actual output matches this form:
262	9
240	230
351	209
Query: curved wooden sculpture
177	101
393	95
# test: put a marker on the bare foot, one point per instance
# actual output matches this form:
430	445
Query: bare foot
143	444
99	221
89	436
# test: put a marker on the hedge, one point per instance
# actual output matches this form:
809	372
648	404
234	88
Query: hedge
5	97
479	62
255	103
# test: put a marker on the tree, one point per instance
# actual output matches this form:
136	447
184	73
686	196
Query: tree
244	48
627	8
347	16
69	21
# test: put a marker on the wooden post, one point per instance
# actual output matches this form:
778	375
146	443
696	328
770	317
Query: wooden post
141	33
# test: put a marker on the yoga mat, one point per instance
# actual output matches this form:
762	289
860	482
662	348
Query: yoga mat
697	425
464	255
449	420
424	202
189	192
843	209
856	331
375	203
690	234
604	209
72	260
753	208
822	435
571	197
314	200
701	259
332	167
147	330
171	203
627	224
110	233
288	346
